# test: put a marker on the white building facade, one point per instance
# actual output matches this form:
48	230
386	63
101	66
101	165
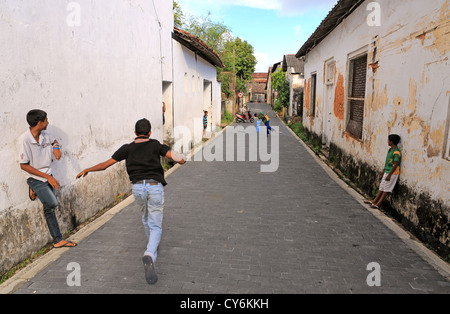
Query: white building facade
196	90
95	74
377	68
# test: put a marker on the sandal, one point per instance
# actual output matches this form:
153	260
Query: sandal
374	206
64	243
32	194
368	202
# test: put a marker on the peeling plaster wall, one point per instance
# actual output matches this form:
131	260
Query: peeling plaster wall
407	93
95	80
191	96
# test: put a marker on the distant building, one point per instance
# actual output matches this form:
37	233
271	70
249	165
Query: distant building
271	93
196	88
294	68
257	87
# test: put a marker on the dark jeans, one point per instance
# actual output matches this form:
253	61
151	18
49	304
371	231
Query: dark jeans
268	127
48	198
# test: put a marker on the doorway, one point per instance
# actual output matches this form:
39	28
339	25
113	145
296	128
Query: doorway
167	113
207	105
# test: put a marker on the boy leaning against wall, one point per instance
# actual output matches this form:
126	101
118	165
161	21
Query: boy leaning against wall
36	151
390	173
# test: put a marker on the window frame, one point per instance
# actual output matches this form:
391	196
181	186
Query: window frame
351	124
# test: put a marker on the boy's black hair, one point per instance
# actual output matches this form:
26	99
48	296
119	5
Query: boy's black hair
34	116
143	127
394	138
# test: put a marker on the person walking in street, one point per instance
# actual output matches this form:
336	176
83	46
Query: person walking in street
144	169
36	151
265	119
390	172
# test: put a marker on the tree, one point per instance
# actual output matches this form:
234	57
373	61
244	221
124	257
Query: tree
281	84
236	54
239	61
178	15
214	34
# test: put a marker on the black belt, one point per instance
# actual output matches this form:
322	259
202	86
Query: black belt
151	182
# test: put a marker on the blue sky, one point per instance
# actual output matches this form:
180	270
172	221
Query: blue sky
273	27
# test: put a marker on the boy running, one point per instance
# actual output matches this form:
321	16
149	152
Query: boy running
144	168
265	119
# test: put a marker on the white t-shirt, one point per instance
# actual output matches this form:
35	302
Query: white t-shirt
38	155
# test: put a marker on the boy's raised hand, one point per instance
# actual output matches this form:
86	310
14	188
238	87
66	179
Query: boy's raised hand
179	159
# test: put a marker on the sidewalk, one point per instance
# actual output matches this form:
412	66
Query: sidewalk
228	228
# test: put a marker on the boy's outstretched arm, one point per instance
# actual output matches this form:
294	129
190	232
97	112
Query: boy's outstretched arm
176	158
100	167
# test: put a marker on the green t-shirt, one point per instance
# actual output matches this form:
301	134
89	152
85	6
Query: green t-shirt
393	155
263	117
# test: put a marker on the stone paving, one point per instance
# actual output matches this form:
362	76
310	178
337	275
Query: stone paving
231	229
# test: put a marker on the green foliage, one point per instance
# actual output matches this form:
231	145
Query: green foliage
239	64
178	15
214	34
227	118
281	84
236	54
277	107
298	129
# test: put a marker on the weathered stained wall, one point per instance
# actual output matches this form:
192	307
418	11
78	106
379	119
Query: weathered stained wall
407	93
95	74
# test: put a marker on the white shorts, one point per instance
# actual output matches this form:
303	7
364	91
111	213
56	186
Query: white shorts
388	186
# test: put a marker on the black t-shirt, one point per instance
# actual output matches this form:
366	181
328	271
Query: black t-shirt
143	160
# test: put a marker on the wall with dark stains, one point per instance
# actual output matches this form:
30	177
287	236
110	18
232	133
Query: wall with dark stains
407	93
95	74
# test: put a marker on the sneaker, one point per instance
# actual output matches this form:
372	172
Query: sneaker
150	272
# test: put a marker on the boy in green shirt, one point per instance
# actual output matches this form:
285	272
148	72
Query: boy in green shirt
265	119
390	173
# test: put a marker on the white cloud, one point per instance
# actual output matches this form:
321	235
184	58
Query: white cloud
265	61
283	7
262	60
298	7
298	30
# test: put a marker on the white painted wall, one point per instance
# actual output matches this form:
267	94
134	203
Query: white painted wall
295	81
190	97
94	78
408	94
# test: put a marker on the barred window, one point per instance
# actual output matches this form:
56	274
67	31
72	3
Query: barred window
357	94
313	94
